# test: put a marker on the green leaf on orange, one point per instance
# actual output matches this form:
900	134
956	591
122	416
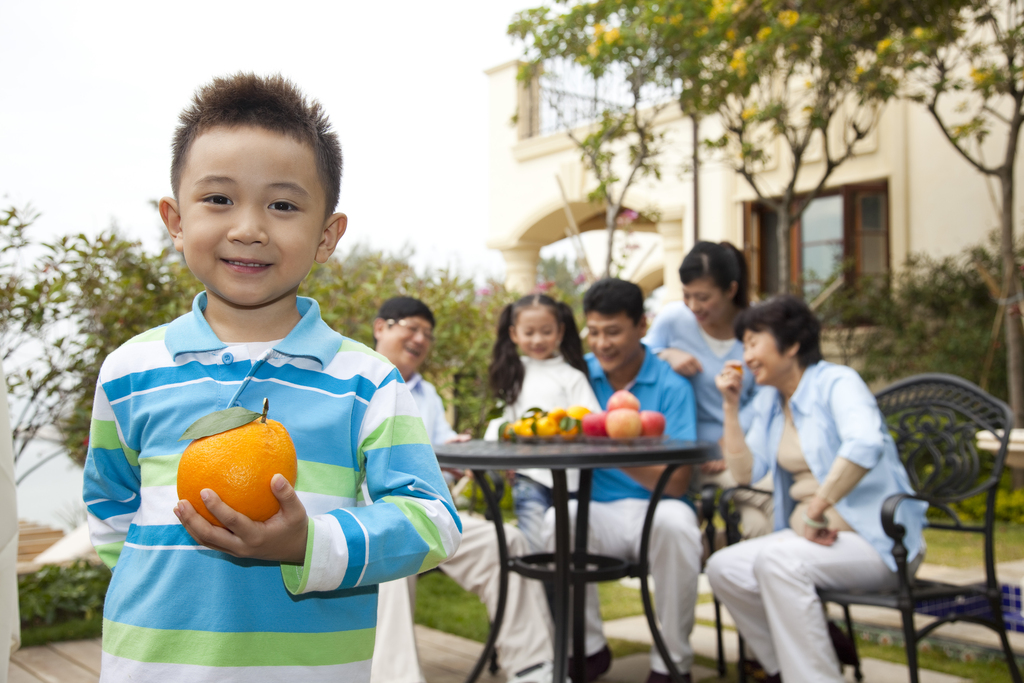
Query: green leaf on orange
220	421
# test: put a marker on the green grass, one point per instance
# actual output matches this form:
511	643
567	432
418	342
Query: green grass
442	604
958	549
74	629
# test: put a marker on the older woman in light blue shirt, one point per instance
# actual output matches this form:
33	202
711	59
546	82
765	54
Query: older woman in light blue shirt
817	430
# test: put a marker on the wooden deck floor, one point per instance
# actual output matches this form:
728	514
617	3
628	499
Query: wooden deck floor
444	658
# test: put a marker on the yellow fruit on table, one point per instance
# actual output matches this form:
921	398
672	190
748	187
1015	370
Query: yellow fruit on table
238	465
546	426
523	427
557	414
572	432
507	431
578	412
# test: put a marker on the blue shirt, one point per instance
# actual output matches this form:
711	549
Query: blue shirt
676	327
173	606
657	387
836	416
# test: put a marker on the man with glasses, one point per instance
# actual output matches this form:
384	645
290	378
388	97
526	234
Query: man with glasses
404	334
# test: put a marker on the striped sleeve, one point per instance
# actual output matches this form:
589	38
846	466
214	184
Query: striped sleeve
412	524
111	481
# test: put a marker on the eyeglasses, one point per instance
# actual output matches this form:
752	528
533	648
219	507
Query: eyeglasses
413	328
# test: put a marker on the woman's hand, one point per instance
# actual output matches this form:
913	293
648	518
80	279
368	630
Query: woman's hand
712	467
816	513
730	385
681	361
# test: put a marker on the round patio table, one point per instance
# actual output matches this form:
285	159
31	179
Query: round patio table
571	567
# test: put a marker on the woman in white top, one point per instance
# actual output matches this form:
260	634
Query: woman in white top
550	373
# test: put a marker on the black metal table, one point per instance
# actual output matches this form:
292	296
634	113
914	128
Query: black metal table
571	567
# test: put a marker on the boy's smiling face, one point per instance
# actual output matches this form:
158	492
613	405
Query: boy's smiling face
250	221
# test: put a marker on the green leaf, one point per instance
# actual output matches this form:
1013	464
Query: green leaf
220	421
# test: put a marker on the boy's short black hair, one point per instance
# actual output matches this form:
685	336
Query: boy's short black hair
611	295
789	320
400	307
273	103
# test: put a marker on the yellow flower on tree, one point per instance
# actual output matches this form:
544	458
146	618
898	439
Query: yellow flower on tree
918	33
749	113
594	49
730	35
739	62
611	35
763	34
701	32
883	45
788	18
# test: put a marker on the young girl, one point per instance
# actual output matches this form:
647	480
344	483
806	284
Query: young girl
697	339
550	373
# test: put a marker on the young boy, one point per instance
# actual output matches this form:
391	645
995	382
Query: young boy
256	175
614	311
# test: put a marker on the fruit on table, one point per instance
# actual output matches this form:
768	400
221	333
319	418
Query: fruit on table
236	452
546	426
594	424
652	423
577	412
623	423
623	399
523	427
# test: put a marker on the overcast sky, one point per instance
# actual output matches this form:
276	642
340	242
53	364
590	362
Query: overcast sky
92	92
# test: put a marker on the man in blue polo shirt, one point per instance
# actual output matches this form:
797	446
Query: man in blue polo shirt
615	325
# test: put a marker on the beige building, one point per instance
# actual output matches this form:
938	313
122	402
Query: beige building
905	191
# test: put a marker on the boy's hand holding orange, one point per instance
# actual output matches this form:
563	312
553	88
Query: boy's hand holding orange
253	465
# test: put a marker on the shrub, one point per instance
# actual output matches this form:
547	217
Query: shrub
56	594
933	315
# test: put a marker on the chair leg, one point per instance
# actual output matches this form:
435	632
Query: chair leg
849	632
718	632
493	666
1000	628
910	643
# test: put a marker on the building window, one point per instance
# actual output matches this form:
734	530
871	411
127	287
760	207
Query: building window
843	226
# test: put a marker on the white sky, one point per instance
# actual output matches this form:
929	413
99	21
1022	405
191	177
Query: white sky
92	92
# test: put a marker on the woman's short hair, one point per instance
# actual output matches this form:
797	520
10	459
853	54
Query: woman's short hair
789	320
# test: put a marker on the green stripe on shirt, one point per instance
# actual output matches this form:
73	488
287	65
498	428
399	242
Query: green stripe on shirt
399	430
155	334
103	434
258	648
317	477
426	528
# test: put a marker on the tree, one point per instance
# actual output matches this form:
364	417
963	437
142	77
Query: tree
80	299
604	38
968	70
809	78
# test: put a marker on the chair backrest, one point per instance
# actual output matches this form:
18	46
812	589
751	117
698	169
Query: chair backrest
934	419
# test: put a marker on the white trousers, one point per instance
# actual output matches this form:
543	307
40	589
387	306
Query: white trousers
525	635
768	585
674	559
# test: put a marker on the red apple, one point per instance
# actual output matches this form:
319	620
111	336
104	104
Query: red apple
593	424
653	422
623	399
623	423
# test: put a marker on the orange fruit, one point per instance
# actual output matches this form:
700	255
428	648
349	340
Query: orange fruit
523	427
507	431
238	465
577	412
546	427
557	414
572	432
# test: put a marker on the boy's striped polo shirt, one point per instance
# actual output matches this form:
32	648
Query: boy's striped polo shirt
177	611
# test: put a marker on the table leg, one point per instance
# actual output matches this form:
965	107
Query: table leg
579	582
560	500
643	570
503	564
